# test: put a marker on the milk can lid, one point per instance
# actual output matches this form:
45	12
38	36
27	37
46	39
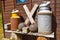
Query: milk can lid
45	3
15	11
44	8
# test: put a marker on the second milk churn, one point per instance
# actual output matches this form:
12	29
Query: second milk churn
14	19
45	18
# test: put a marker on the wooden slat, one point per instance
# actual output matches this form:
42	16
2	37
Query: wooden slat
35	34
58	13
58	5
58	18
58	21
58	25
9	4
57	1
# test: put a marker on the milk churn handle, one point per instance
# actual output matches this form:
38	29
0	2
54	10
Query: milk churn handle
45	3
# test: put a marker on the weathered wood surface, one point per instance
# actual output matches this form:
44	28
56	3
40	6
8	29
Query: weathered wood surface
34	34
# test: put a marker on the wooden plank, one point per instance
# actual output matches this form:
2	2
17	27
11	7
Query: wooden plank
58	21
9	4
58	1
58	5
29	14
58	31
58	13
35	34
58	25
57	17
9	7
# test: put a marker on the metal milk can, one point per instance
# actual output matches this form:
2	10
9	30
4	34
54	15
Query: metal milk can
44	18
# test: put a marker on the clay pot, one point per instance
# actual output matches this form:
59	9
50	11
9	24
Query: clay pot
33	28
21	25
27	24
42	38
14	23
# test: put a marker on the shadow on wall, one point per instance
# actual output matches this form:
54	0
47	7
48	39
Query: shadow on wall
0	5
0	10
54	25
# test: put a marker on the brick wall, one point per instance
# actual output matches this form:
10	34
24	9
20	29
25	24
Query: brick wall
58	18
7	7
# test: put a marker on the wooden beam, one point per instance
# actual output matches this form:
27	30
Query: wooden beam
30	14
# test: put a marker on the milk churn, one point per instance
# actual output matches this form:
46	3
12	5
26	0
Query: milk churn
14	20
45	18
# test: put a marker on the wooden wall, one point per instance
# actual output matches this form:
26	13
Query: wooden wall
7	6
10	4
58	18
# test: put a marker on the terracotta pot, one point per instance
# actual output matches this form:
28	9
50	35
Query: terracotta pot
33	28
21	25
14	23
42	38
